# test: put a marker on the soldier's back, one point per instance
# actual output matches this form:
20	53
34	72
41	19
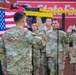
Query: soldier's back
18	51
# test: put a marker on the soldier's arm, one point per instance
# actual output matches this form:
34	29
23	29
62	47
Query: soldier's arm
66	39
32	38
42	34
2	55
65	49
74	36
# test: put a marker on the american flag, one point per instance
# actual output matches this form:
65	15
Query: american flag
7	20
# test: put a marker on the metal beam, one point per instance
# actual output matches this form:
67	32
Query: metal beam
57	11
40	14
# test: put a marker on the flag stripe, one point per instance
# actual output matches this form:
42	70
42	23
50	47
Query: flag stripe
7	16
10	22
2	32
9	19
9	26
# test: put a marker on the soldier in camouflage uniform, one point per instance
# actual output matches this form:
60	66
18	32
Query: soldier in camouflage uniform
51	49
42	32
73	57
16	48
48	24
36	53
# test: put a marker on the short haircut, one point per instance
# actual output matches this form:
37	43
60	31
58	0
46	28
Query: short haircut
34	22
55	20
18	16
48	18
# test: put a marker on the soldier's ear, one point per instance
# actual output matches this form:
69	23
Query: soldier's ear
23	20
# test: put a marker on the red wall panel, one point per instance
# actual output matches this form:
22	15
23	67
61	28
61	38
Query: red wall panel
5	5
13	1
46	0
2	4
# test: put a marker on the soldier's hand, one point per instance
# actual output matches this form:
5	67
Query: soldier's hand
73	27
38	20
64	59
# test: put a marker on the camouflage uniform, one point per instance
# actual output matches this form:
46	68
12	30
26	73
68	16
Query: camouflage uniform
51	51
16	49
36	58
73	57
42	32
49	29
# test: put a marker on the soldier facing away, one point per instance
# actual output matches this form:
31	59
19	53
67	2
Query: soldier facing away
16	48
